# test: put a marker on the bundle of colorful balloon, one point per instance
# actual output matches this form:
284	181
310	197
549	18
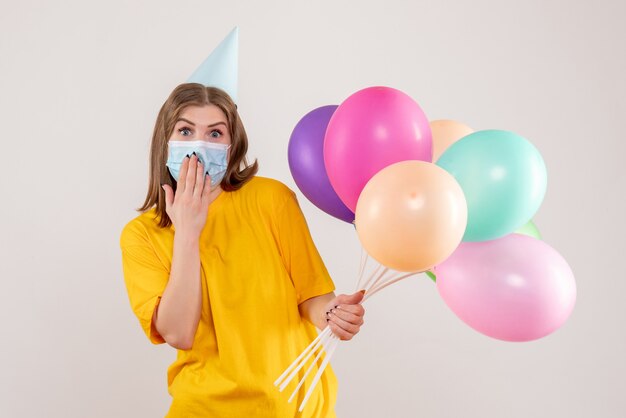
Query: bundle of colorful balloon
440	198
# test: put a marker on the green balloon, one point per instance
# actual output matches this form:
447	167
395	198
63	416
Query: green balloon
503	177
529	229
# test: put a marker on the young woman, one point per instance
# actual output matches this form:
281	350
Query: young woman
220	265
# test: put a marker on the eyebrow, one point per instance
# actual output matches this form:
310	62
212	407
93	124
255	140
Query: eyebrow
193	124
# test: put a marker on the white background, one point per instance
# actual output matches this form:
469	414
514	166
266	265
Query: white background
80	86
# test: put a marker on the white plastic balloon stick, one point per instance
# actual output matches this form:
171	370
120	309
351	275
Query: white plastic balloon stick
319	343
375	277
305	375
327	342
382	285
295	362
331	350
364	258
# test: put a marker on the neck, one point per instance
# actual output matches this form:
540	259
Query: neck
214	193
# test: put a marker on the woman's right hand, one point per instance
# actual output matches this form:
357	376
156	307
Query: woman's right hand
188	207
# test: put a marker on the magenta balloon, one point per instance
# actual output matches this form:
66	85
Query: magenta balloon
372	129
515	288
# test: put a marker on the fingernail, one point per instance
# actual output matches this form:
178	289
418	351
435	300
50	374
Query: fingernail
363	291
193	153
188	156
327	320
336	306
207	173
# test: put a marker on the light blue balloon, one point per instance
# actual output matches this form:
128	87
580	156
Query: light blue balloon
504	180
220	69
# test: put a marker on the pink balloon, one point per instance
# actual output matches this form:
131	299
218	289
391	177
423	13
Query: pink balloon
515	288
372	129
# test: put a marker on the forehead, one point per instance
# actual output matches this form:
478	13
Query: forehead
203	115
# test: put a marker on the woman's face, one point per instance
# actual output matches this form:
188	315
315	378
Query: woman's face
206	123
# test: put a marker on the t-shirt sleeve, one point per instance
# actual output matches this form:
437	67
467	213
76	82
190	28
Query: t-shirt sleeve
145	277
303	262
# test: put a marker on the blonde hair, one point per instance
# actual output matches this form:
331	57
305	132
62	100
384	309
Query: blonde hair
183	96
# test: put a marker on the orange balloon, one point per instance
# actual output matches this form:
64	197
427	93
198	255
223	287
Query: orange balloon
411	216
446	133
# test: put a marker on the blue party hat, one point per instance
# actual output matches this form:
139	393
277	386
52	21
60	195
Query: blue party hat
220	68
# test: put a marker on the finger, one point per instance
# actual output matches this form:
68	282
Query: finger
344	325
349	299
348	317
169	196
340	332
182	175
197	192
190	180
206	191
357	310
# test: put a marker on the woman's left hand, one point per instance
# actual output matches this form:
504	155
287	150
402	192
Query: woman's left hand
344	315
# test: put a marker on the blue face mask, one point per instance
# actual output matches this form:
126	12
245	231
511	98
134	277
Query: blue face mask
213	156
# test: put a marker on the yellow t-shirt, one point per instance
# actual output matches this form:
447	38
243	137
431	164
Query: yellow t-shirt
258	262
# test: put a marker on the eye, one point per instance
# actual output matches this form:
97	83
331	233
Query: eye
185	131
216	133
